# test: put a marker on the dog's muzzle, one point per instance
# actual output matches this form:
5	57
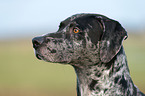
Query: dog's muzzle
37	41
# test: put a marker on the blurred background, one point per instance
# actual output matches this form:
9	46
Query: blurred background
21	74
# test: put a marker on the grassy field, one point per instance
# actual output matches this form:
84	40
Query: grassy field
21	74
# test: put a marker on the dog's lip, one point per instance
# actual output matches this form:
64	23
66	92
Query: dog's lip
39	56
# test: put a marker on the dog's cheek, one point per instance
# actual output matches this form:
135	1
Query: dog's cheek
64	52
77	37
67	58
43	52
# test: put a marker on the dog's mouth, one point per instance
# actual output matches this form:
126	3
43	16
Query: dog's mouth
39	56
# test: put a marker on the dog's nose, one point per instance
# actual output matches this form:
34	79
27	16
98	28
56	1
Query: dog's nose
37	41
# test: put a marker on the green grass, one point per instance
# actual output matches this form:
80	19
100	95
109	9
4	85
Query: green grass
21	74
135	50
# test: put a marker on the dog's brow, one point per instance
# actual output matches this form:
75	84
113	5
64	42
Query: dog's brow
73	24
61	24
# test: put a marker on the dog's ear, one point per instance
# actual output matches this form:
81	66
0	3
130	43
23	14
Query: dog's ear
111	40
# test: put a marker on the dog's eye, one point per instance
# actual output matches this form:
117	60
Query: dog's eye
76	30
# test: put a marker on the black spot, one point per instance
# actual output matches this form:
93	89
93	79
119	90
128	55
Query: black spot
118	68
98	74
90	60
92	85
95	69
60	41
55	41
98	89
105	90
88	38
116	79
79	58
135	91
69	47
92	46
47	40
71	51
128	93
53	51
61	26
123	82
88	73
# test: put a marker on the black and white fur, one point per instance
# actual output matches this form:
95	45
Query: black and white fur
95	52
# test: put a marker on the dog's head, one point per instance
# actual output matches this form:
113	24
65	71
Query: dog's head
81	39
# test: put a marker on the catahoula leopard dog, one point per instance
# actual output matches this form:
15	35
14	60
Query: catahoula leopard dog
92	44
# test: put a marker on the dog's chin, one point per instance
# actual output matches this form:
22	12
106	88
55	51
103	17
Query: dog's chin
39	56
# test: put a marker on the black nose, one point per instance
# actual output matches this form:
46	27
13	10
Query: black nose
37	41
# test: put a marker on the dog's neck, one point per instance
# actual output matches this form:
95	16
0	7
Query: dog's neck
105	79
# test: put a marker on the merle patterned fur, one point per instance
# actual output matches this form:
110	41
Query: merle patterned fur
95	52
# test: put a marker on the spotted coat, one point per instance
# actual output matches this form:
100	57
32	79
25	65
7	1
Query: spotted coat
92	44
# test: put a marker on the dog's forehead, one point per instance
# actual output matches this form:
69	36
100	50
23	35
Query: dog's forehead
74	17
83	16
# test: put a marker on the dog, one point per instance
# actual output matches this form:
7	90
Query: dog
92	44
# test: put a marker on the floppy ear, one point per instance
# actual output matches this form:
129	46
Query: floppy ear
111	40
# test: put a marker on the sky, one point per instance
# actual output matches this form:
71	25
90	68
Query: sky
35	17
